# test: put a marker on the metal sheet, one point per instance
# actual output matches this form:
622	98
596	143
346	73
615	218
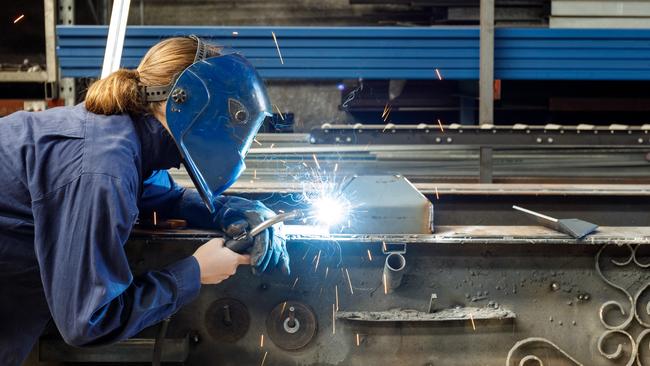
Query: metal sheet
390	52
556	291
493	234
600	8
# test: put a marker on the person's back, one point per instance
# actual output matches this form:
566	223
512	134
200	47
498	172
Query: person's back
45	154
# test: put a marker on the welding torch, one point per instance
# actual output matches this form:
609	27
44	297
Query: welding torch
240	243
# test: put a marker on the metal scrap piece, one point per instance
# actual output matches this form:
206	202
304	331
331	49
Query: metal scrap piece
408	315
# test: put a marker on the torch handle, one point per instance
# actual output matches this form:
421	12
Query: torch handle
240	243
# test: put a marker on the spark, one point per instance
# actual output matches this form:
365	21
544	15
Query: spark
383	245
284	305
320	293
369	255
316	161
336	167
235	33
437	196
440	124
385	110
317	261
438	74
358	340
295	282
262	340
305	164
472	319
19	18
336	296
264	358
327	269
255	174
349	281
272	145
279	111
386	113
277	46
306	252
257	142
385	284
155	219
333	319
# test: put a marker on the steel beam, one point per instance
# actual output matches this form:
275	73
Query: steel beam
523	136
486	68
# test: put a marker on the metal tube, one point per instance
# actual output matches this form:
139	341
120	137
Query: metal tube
394	269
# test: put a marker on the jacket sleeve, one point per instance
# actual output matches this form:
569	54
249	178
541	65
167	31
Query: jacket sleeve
80	230
168	199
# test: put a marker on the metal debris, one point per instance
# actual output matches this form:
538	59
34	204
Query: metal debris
409	315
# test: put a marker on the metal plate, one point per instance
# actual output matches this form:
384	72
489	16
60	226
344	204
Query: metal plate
227	320
275	325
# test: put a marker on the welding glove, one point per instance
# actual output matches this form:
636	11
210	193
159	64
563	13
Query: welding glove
268	249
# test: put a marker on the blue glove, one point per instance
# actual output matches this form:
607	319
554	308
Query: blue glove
268	249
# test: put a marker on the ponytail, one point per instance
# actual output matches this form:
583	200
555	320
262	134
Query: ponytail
120	92
117	93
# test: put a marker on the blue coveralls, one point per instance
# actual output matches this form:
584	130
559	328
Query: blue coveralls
71	186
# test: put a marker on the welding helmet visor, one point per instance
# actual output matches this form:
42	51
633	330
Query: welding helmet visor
214	110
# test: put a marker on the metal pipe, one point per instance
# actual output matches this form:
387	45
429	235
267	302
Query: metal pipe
394	269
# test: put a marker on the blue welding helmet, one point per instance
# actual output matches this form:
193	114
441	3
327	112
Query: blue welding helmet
215	108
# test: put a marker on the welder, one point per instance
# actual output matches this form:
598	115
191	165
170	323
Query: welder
75	180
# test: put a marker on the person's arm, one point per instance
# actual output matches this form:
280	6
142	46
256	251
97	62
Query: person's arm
80	231
232	215
169	200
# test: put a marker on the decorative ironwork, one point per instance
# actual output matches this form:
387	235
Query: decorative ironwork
529	360
631	312
613	332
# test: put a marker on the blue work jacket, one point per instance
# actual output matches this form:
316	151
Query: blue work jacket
72	184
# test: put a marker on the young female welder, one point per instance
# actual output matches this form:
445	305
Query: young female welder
75	179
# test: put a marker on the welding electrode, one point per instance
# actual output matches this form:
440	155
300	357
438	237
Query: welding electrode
242	242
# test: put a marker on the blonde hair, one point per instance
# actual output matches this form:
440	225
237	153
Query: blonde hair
120	92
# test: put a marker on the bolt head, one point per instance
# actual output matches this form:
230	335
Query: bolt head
179	95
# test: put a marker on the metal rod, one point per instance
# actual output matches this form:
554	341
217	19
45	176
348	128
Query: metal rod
549	218
116	33
394	269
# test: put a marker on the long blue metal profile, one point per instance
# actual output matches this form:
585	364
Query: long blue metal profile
388	52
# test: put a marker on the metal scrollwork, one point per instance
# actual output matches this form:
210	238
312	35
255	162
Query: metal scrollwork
619	347
618	332
530	360
632	312
640	339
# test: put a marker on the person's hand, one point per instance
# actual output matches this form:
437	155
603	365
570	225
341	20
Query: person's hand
217	262
268	249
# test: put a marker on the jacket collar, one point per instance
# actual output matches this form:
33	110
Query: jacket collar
159	151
